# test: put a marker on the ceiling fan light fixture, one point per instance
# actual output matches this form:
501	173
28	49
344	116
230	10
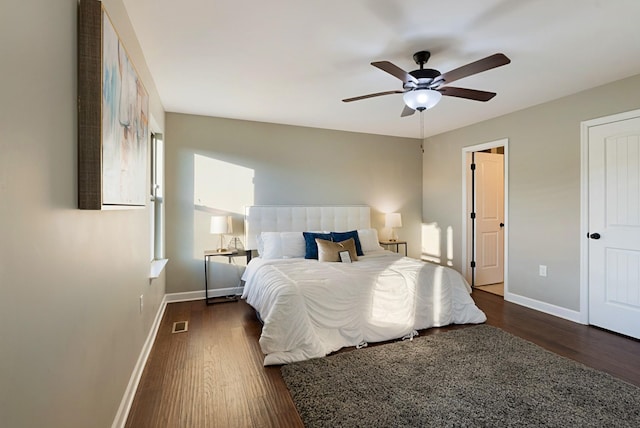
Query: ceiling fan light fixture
421	99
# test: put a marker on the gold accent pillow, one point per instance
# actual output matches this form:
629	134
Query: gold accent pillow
329	251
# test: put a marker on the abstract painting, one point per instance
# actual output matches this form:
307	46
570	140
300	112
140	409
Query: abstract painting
113	117
124	125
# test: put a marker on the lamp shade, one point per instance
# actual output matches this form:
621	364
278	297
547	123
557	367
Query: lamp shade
221	224
421	99
393	220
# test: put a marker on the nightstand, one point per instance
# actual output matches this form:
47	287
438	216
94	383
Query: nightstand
396	244
229	255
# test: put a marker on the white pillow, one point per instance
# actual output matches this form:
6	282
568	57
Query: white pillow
260	243
293	245
369	240
271	245
282	245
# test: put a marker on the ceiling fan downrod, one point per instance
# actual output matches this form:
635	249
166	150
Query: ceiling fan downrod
421	58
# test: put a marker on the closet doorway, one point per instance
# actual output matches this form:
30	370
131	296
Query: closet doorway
484	210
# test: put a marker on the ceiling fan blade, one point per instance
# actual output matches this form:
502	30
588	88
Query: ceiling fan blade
377	94
493	61
394	70
407	111
471	94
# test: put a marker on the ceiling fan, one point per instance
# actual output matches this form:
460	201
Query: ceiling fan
424	87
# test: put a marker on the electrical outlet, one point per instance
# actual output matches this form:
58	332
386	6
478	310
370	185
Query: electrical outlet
141	302
543	270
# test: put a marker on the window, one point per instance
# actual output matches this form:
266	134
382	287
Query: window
156	205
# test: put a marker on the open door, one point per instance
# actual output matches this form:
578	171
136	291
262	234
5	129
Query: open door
484	215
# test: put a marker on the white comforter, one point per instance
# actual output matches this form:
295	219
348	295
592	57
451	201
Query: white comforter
311	309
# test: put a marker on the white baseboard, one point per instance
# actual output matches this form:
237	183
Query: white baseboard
547	308
127	400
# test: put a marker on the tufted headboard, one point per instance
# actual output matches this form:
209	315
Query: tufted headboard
287	218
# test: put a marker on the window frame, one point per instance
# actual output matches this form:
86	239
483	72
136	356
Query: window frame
156	204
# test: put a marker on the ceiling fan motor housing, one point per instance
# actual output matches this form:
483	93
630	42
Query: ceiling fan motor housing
424	76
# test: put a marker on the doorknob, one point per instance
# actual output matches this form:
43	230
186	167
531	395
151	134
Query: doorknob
594	236
501	224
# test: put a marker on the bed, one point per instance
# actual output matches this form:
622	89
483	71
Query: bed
312	307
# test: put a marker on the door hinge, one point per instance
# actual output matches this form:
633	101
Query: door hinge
473	215
473	264
473	167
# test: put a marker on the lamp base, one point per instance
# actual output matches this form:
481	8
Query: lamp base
394	236
221	248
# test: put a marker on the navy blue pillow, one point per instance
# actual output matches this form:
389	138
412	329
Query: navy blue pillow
343	236
311	248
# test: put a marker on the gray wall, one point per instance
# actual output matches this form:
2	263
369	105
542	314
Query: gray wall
269	164
70	280
544	186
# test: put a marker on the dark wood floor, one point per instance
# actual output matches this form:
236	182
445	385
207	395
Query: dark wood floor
212	375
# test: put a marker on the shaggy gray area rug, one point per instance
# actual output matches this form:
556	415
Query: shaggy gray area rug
479	376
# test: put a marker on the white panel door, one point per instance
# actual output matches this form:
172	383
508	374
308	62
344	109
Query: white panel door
614	226
489	185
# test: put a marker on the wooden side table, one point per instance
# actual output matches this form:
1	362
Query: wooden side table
395	244
229	255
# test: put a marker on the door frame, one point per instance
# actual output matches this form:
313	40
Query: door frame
583	316
465	215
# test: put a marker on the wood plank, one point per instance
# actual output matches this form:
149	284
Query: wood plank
212	375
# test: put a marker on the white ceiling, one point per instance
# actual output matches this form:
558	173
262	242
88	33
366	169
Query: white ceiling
293	61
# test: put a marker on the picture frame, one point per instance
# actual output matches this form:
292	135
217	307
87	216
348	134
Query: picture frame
113	117
345	257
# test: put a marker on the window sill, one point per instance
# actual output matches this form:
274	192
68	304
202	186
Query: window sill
157	266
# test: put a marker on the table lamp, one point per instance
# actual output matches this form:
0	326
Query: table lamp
393	221
221	225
